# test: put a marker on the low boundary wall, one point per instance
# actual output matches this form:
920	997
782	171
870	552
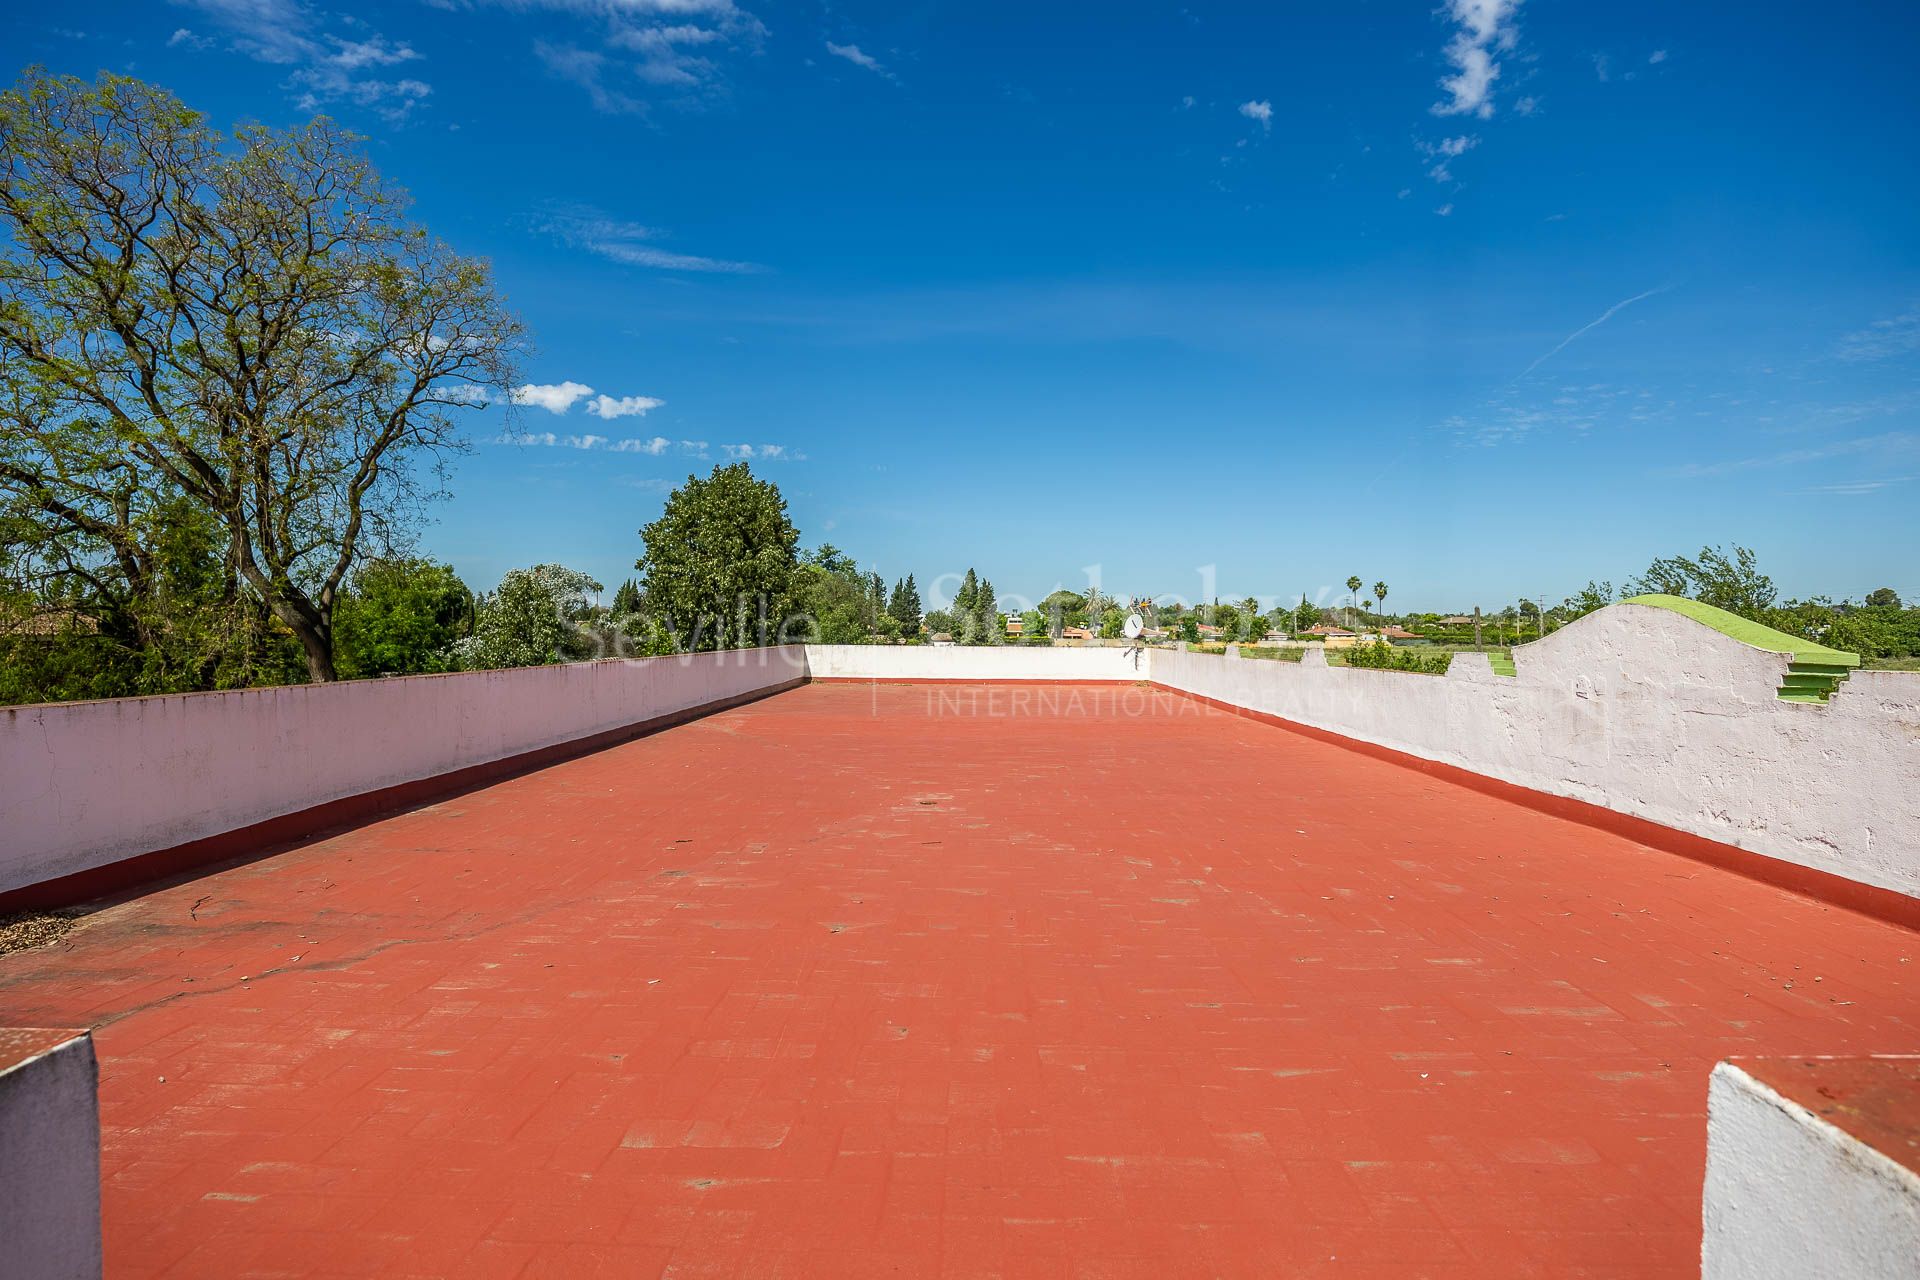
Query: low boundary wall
85	787
981	664
1641	712
1635	717
1811	1169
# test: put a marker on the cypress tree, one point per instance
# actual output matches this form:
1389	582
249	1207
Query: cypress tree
986	612
909	613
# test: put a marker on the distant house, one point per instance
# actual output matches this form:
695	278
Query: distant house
1076	633
1016	625
1274	637
1155	633
1457	620
1332	637
1210	632
1399	635
941	639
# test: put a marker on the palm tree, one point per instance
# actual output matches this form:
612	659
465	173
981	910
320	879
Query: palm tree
1380	596
1353	594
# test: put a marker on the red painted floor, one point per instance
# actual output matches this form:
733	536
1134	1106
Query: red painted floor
848	982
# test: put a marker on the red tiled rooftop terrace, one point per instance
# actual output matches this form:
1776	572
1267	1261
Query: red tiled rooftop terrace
847	983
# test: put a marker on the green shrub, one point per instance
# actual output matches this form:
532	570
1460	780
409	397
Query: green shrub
1384	657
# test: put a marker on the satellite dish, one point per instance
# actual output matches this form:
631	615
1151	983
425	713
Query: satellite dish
1134	626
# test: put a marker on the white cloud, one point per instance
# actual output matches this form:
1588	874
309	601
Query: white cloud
1485	27
1444	152
1883	339
853	53
328	68
624	407
628	242
654	447
764	452
1657	57
674	46
553	397
1445	210
1260	110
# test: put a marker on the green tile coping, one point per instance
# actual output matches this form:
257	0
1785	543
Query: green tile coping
1748	632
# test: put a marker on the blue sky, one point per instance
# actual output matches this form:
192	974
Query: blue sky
1483	299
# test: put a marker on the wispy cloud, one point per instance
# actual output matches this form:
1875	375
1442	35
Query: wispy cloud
327	67
1883	339
630	243
1444	152
1484	28
1855	488
859	58
1589	327
625	47
652	447
1888	446
625	407
762	452
1260	110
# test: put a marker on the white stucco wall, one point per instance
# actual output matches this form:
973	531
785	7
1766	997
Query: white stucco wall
1643	711
49	1157
972	662
1791	1197
86	784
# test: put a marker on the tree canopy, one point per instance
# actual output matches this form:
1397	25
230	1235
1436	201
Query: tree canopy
718	568
248	325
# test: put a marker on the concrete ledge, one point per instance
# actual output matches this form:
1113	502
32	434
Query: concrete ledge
97	796
261	839
49	1154
1811	1169
1870	900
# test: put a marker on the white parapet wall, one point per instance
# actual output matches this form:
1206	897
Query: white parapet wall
87	784
49	1155
974	662
1793	1195
1645	712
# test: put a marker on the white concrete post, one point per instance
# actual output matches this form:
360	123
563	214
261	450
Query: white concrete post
49	1155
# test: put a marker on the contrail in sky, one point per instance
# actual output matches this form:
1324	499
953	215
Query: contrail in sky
1605	316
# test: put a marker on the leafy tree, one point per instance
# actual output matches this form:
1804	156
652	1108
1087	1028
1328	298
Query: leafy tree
1730	581
136	596
939	622
1353	592
718	569
530	621
986	615
963	599
249	323
1189	628
1592	597
876	607
401	616
1883	598
835	601
1380	596
833	560
626	599
1305	615
904	608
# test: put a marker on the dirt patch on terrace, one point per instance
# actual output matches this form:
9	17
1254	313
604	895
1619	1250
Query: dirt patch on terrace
25	930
